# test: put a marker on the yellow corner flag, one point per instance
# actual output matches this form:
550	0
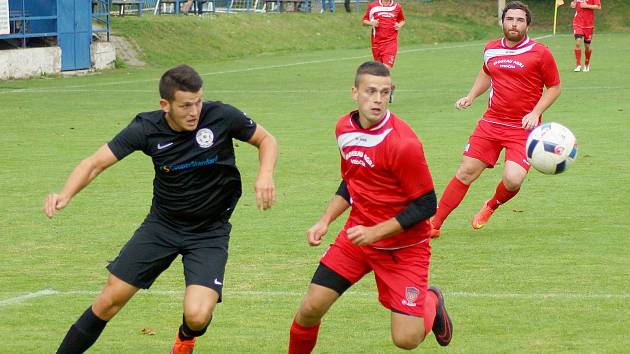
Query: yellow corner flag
555	14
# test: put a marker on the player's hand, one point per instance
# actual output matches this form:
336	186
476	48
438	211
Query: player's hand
374	23
530	120
463	102
362	236
54	202
315	234
397	26
265	192
573	4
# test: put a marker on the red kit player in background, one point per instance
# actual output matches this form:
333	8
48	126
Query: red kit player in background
386	18
516	69
583	24
387	184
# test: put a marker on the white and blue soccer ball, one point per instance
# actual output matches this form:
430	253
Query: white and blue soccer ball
551	148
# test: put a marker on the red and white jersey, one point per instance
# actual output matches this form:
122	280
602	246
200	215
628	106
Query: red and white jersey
518	75
385	169
387	17
585	18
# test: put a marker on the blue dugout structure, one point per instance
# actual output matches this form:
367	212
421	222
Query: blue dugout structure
68	23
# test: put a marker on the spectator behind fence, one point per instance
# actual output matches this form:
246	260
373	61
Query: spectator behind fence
188	5
331	5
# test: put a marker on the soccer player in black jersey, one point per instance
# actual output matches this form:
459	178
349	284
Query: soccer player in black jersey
195	190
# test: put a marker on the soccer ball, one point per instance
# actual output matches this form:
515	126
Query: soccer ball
551	148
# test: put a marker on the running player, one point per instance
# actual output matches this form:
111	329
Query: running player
583	24
195	189
516	69
387	184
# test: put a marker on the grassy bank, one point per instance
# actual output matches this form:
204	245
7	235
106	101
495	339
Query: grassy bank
166	40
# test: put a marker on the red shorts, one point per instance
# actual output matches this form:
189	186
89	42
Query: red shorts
385	53
586	32
401	274
488	139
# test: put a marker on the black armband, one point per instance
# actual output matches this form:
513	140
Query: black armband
419	209
343	192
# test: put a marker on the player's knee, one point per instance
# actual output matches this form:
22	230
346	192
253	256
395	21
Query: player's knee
198	320
107	306
407	341
466	175
512	182
311	310
194	327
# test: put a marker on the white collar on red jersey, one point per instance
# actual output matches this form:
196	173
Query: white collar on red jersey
505	51
518	45
376	127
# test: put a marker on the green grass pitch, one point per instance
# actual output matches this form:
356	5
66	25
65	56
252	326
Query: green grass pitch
549	273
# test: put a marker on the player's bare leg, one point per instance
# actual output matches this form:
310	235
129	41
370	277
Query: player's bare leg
469	170
113	297
187	6
407	331
86	330
513	177
199	303
305	327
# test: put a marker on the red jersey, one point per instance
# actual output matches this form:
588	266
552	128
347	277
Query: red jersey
385	169
585	18
518	75
387	17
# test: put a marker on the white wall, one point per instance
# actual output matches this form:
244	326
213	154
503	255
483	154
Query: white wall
29	62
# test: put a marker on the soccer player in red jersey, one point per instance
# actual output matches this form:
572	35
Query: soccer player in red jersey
387	184
515	69
583	24
386	18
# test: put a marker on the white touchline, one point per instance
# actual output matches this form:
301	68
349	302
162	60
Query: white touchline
350	293
26	297
256	68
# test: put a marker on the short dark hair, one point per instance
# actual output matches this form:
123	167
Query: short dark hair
179	78
517	5
371	68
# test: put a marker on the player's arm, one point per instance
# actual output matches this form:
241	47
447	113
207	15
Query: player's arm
81	176
373	23
481	85
591	6
399	25
337	206
418	210
267	155
549	96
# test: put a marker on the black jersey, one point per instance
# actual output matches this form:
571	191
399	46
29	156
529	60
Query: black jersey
196	180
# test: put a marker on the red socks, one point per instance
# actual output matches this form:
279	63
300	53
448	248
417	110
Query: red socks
452	196
302	339
587	55
578	56
501	196
430	307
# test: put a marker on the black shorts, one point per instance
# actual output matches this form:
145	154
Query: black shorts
155	245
